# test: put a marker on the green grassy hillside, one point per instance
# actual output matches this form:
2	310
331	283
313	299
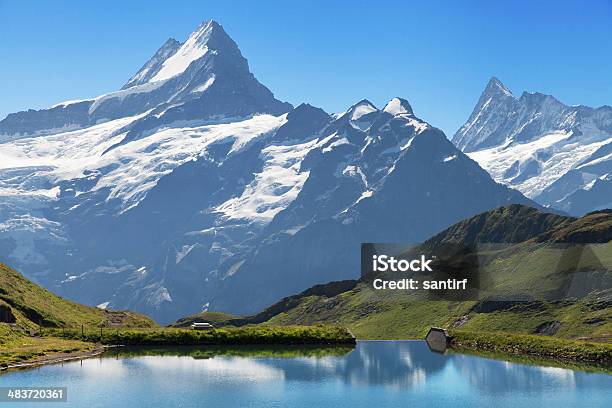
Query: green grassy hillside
25	308
16	347
31	306
541	281
511	224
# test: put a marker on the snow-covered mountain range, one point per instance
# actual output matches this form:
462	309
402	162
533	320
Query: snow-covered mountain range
558	155
192	187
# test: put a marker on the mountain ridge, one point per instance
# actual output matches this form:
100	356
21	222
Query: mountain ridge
556	154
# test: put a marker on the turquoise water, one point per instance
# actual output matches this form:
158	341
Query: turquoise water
373	375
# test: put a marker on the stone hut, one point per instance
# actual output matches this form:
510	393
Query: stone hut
437	339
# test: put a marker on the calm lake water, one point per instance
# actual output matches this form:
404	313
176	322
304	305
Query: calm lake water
373	375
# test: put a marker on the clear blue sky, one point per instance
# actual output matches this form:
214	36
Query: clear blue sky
438	55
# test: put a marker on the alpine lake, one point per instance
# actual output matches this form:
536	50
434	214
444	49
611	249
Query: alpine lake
372	374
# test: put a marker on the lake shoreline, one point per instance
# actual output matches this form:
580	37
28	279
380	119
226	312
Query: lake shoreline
54	359
230	336
59	345
545	348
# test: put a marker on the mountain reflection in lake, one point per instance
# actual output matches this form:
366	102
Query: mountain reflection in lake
384	374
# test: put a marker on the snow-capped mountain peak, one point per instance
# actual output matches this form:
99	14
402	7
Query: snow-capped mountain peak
398	106
550	151
174	57
495	86
360	109
194	48
205	78
205	31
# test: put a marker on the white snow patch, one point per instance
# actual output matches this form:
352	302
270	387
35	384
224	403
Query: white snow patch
590	184
395	107
407	144
364	195
278	184
418	125
205	85
599	160
361	110
183	252
352	171
68	103
336	143
294	230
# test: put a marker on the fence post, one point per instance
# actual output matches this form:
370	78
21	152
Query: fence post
82	331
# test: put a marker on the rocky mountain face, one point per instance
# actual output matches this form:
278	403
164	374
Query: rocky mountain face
558	155
380	177
193	188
